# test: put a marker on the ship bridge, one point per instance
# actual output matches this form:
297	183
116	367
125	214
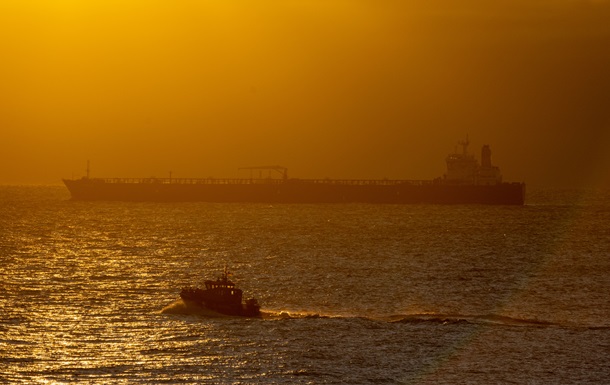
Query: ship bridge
463	168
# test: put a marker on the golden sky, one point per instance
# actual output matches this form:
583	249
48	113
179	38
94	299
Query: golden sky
328	88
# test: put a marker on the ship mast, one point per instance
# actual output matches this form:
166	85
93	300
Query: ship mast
464	144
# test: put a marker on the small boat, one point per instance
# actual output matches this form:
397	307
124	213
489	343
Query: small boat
222	297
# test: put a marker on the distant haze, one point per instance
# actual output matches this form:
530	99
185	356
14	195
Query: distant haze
328	88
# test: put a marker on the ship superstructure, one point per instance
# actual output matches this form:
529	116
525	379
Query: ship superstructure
463	168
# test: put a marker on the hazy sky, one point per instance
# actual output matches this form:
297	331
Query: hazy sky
328	88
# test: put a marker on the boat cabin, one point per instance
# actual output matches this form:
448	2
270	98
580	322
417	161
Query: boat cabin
223	290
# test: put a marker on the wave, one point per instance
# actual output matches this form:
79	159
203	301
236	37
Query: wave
181	307
486	319
281	314
188	308
429	318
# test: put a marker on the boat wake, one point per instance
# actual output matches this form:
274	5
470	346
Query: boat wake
425	318
181	307
282	314
487	319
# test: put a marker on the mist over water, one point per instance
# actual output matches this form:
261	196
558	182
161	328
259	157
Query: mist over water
351	293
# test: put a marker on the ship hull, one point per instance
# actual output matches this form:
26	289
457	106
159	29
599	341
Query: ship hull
295	191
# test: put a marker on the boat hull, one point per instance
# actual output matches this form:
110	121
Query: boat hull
295	191
228	309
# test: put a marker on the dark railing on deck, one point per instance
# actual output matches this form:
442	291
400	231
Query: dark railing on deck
250	181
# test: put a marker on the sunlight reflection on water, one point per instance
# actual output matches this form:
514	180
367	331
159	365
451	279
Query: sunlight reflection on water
353	293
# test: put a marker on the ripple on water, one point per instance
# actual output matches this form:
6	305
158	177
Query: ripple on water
90	293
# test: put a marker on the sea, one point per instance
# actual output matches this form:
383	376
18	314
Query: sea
350	293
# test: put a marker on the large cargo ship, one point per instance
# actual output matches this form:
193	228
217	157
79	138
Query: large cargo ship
466	182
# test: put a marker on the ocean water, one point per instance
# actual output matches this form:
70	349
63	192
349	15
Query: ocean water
352	294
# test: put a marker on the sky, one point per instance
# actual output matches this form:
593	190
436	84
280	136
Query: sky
329	88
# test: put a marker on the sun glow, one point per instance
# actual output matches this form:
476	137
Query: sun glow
373	89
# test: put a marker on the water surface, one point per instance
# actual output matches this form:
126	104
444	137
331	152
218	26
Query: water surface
353	293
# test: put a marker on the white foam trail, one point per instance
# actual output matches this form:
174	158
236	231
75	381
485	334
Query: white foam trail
189	308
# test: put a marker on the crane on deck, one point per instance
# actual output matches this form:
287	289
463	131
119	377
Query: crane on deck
281	170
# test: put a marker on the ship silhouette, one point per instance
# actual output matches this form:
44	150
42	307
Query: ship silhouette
466	181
